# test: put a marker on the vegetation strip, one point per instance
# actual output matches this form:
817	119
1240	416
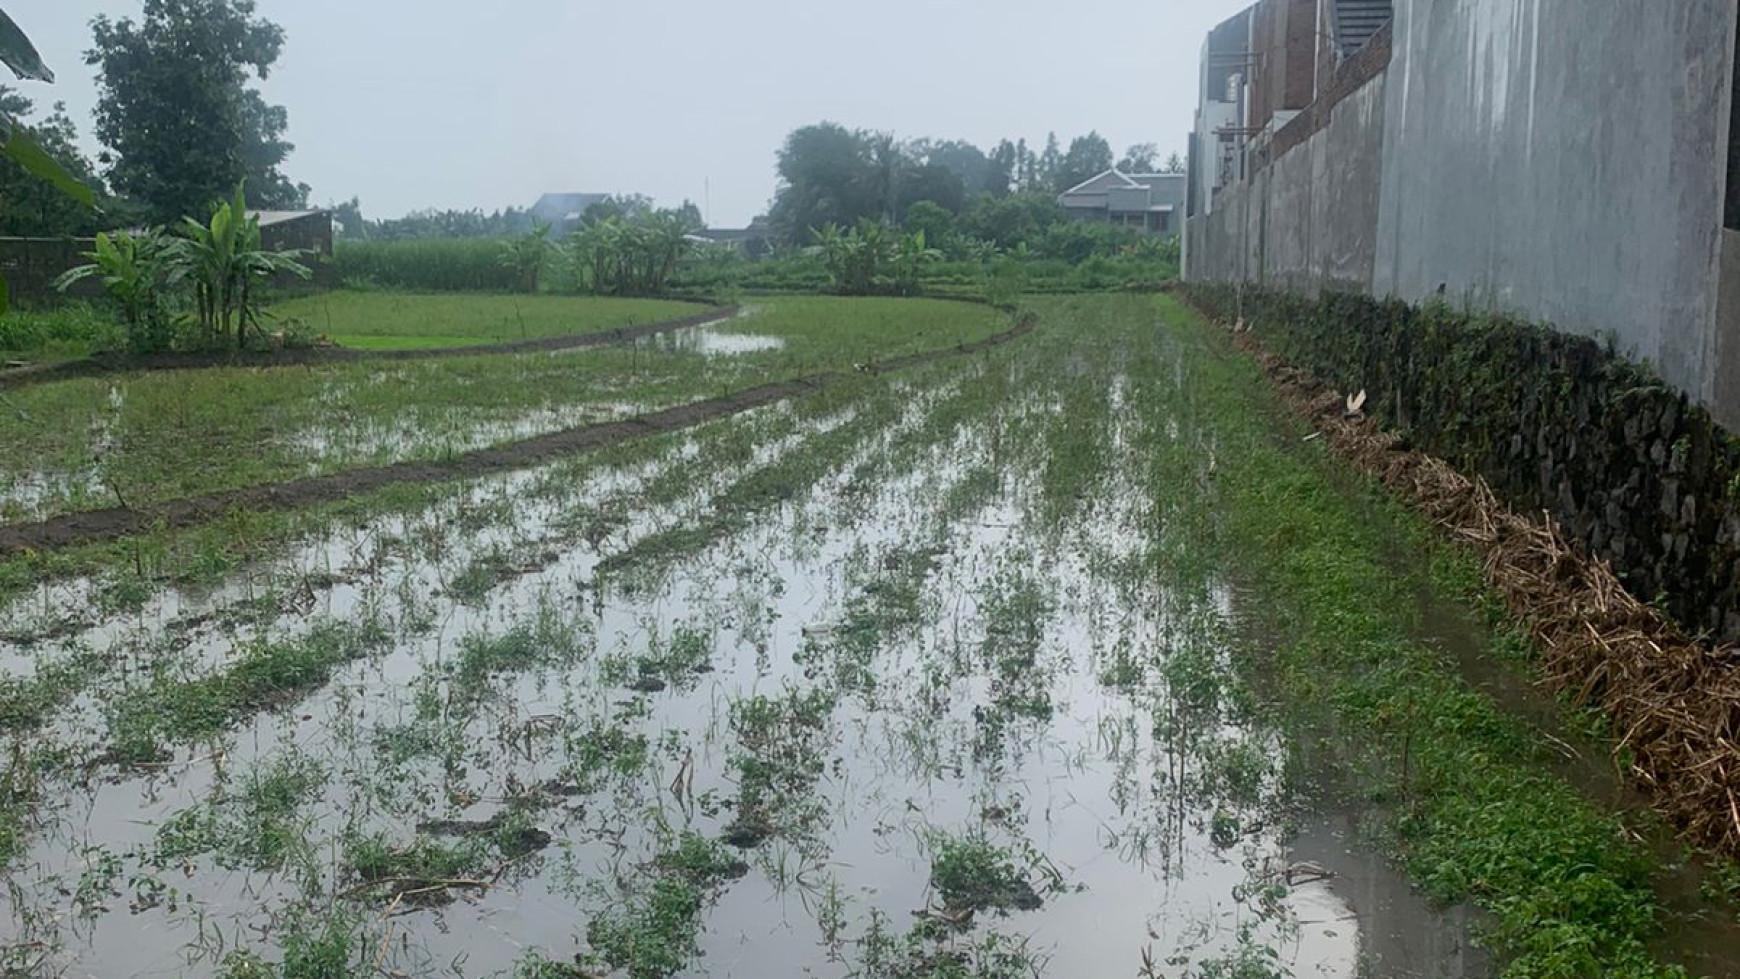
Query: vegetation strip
100	525
1675	702
295	357
1460	786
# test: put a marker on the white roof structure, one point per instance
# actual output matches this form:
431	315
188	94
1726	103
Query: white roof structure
269	218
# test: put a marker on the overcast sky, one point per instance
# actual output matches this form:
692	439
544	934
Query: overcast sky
410	104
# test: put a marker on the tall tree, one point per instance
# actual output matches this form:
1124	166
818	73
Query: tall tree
1050	163
1140	158
1088	156
347	217
180	124
30	206
887	160
825	177
965	160
933	182
1001	174
1174	164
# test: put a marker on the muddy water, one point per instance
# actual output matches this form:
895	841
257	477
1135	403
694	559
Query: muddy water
988	675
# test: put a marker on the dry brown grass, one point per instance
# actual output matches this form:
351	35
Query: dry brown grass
1674	703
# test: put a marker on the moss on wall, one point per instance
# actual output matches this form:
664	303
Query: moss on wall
1557	422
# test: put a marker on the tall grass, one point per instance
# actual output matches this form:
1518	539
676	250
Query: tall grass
68	330
429	264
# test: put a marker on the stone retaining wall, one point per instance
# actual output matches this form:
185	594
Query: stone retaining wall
1627	463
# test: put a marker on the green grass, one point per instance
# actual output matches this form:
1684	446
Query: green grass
1475	815
91	443
409	320
253	826
168	708
58	332
651	934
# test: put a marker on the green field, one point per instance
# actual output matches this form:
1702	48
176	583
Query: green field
408	320
133	438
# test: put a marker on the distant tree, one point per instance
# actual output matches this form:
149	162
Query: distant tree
1011	221
452	224
1088	156
1050	164
932	182
690	216
887	161
826	177
932	220
960	157
348	220
1026	166
1140	158
29	205
1174	164
635	203
1000	174
598	212
180	125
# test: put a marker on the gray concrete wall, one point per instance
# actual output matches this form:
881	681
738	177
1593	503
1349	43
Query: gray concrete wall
1564	160
1310	218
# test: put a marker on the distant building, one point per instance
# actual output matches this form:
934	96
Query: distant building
309	231
752	241
1152	203
562	212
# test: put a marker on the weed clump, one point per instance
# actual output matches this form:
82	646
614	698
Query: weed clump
931	950
652	934
265	675
974	874
254	828
427	870
778	760
674	662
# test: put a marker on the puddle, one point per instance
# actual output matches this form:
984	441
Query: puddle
711	341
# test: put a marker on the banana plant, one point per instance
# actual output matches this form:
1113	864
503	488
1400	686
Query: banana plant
862	261
224	261
525	256
18	54
135	270
911	255
634	256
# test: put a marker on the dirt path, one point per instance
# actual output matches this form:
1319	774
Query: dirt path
62	370
93	526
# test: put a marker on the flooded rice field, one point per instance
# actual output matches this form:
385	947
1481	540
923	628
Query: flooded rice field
926	676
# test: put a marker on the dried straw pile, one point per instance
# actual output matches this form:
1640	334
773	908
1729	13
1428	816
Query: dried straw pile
1674	703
